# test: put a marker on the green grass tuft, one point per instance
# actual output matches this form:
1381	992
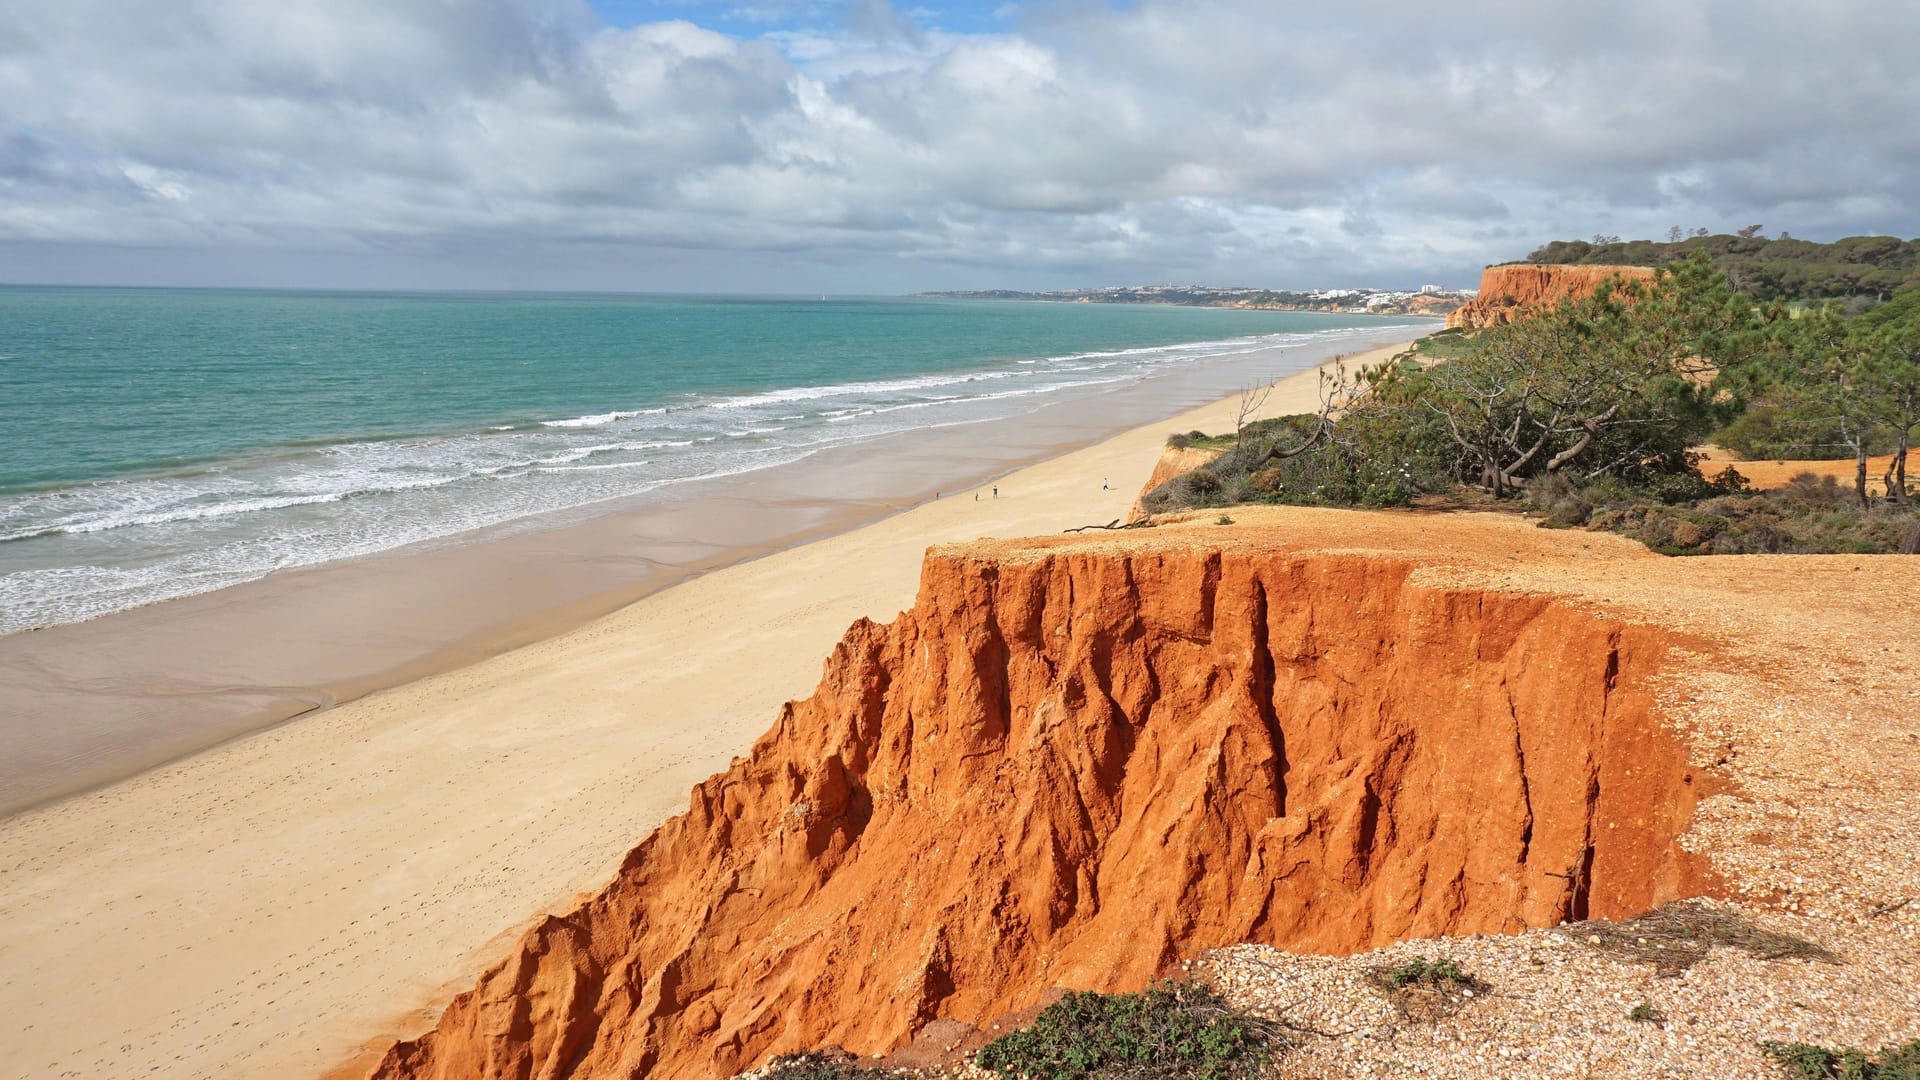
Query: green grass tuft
1421	971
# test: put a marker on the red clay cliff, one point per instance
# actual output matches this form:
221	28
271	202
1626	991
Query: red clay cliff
1509	291
1073	766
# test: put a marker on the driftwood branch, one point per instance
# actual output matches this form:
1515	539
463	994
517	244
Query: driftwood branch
1115	526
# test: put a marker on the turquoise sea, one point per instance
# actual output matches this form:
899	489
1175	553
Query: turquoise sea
161	442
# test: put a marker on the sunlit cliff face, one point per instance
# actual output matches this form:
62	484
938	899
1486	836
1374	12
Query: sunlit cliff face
1074	769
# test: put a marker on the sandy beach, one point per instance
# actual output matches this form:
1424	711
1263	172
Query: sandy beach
275	906
89	703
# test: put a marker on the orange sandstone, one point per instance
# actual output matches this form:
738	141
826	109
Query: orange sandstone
1174	461
1072	768
1512	290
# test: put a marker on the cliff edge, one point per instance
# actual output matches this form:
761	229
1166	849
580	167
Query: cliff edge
1082	762
1074	765
1508	291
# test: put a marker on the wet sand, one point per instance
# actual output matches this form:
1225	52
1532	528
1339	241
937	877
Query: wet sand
278	905
89	703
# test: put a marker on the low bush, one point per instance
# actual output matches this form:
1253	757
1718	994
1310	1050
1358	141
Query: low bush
1199	440
1810	516
1183	1030
1374	463
1448	344
1422	971
1425	991
1805	1062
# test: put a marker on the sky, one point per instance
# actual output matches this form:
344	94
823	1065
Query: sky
858	146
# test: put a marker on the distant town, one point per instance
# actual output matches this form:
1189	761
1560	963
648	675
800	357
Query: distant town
1426	300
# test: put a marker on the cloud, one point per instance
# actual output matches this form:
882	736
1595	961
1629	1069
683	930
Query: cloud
863	147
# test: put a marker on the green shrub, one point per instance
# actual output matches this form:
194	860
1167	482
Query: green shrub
1420	971
1445	344
1182	1030
1805	1062
1378	461
1810	516
1644	1013
1766	432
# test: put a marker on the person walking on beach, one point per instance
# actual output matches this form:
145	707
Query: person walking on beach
996	491
1103	484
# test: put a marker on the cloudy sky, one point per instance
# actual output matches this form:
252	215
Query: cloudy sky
858	146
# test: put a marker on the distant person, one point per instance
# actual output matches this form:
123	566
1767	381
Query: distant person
996	491
1103	484
976	496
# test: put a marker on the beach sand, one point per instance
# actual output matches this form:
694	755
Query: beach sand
89	703
283	903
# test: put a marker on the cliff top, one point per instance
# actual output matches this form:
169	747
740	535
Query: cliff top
1804	665
1794	685
1085	761
1512	289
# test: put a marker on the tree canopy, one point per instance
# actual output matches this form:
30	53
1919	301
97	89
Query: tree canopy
1614	389
1873	267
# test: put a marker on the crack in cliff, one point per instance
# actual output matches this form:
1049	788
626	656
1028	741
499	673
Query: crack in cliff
1263	694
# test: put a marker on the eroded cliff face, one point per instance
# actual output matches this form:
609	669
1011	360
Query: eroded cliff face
1076	768
1509	291
1174	461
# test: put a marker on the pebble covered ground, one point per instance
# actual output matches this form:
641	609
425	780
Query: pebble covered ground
1796	684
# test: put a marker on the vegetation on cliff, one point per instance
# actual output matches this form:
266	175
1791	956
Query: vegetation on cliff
1589	410
1516	290
1868	267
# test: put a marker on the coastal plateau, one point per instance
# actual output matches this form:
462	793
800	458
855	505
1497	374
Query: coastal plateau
1081	762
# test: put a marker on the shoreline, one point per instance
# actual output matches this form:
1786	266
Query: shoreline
99	701
284	903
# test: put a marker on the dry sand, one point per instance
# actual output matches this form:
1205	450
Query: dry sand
274	906
1765	473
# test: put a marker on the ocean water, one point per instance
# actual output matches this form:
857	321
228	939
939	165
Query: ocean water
157	442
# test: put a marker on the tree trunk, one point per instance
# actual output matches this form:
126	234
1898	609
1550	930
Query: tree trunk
1898	487
1860	474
